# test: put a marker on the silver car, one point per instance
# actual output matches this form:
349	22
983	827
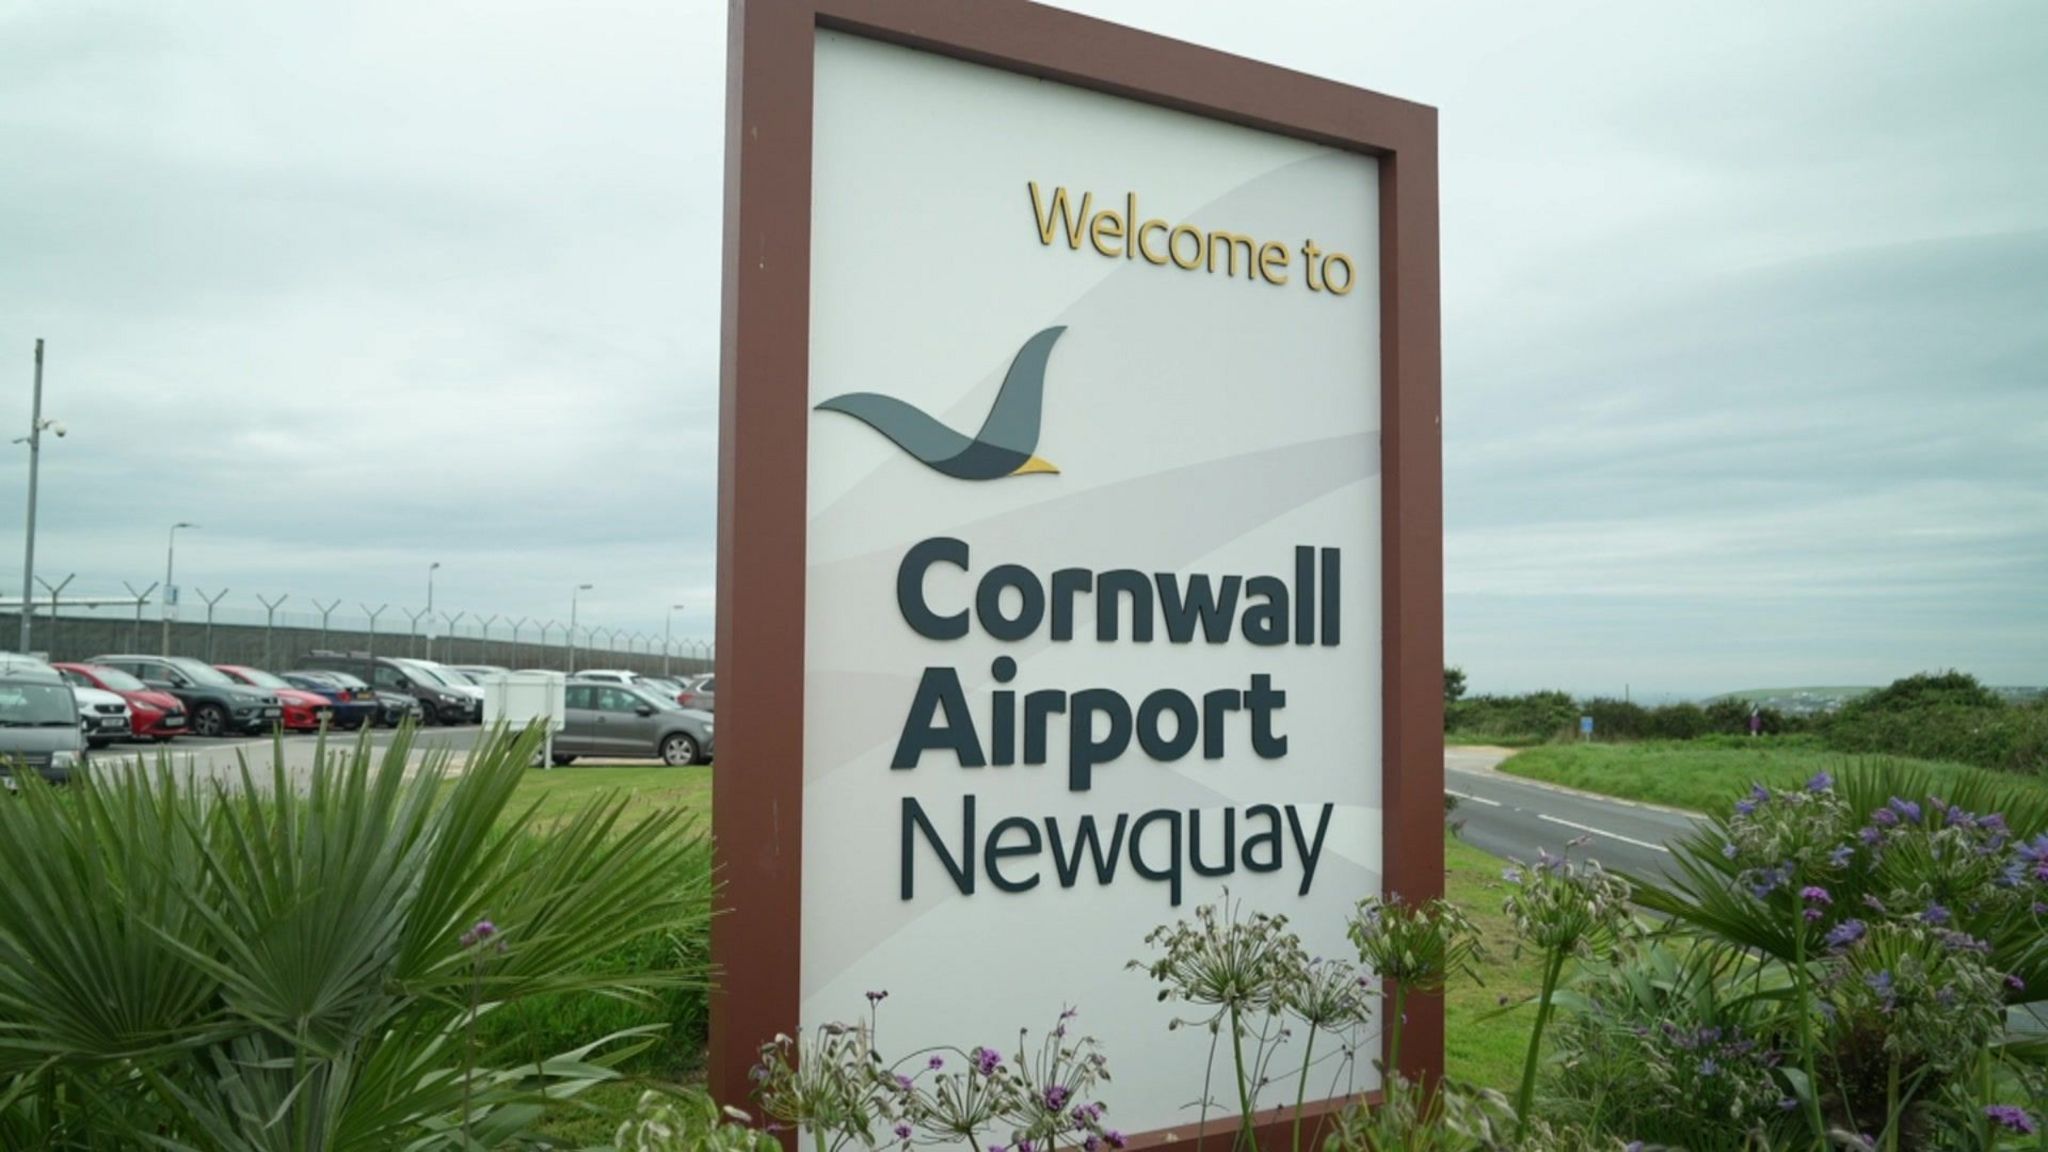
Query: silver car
701	693
617	721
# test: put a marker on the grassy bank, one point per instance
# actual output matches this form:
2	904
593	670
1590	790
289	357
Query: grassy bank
1478	1049
1689	775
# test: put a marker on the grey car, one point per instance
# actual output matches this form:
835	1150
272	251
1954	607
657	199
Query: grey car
616	721
38	723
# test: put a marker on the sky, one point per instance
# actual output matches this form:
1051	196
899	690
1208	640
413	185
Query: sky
1745	314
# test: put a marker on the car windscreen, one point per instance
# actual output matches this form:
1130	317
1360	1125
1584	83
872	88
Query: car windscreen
425	673
36	706
263	679
200	673
655	698
344	679
118	681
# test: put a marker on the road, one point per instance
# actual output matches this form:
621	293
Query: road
1511	817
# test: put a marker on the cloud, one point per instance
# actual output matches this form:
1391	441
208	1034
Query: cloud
1744	318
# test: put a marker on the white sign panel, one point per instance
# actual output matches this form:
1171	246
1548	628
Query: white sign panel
1093	627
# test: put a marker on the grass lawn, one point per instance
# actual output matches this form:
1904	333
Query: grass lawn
559	792
1486	1052
1683	775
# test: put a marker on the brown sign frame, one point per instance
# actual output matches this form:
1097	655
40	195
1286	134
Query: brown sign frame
764	411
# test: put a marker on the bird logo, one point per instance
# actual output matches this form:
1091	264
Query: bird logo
1008	440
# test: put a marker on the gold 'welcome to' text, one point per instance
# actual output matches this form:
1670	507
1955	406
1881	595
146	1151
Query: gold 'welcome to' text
1128	236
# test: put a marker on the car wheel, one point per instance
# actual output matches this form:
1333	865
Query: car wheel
678	749
429	715
210	720
562	761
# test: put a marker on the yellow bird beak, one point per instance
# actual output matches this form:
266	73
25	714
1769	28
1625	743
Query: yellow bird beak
1035	464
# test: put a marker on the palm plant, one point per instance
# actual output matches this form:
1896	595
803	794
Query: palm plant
276	963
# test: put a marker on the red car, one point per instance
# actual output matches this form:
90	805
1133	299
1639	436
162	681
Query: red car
303	711
152	715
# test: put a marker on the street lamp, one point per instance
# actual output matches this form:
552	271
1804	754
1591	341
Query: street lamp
170	603
579	590
431	568
668	637
36	426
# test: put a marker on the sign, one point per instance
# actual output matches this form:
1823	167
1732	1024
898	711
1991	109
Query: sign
1084	560
1586	727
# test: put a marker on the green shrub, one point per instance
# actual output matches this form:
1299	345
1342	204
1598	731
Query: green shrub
1530	716
305	964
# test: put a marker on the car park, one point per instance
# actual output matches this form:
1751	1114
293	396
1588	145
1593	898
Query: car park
701	693
216	704
152	715
355	702
620	720
304	711
439	701
39	728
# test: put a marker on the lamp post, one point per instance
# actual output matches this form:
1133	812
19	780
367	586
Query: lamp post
170	601
579	591
431	569
668	636
34	440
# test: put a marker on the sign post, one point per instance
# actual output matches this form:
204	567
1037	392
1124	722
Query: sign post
1080	524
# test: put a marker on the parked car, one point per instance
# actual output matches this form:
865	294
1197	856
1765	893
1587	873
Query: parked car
102	715
701	694
439	701
353	697
454	681
38	722
477	672
216	704
620	720
606	675
152	715
304	711
662	686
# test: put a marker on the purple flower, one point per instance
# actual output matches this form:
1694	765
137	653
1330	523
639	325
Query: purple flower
1708	1067
1821	782
1091	1144
902	1132
1841	856
1025	1146
1056	1096
2011	1118
1870	836
483	931
1789	1104
1814	894
1844	934
1745	807
1114	1137
935	1063
1511	875
986	1060
1907	810
903	1082
877	997
2013	982
1729	850
1886	816
1881	983
1935	914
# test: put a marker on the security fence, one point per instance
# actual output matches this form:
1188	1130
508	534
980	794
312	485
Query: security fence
275	637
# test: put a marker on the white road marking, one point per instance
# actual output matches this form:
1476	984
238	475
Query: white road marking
1474	799
1603	832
